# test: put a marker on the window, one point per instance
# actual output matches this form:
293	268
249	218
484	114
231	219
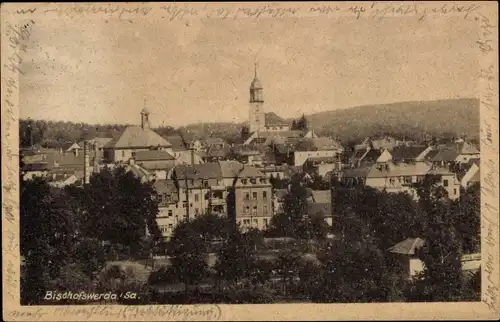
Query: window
254	195
254	210
265	210
196	211
244	181
407	179
264	195
445	183
196	197
247	196
170	213
246	222
123	154
170	226
455	191
266	222
247	210
253	181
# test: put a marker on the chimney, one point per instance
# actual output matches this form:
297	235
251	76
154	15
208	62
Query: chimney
97	158
192	156
86	166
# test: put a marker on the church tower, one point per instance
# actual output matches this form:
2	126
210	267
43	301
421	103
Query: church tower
257	116
145	117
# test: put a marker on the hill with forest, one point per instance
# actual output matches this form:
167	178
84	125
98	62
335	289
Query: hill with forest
413	120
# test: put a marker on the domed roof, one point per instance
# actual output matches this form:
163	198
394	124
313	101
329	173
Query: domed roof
256	84
145	111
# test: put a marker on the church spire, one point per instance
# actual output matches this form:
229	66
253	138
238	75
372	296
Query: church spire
255	66
145	117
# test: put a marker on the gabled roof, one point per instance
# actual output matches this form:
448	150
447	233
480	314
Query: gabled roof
476	177
445	155
408	246
406	152
136	136
231	169
272	119
475	161
360	172
153	155
177	142
41	166
468	148
213	141
99	142
218	152
316	160
165	186
399	170
325	143
199	171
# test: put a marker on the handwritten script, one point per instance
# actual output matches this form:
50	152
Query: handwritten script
171	12
17	36
168	312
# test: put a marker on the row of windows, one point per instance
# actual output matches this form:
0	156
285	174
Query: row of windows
166	228
254	181
254	195
254	223
246	210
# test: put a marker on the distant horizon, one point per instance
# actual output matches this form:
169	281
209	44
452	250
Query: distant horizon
154	126
200	70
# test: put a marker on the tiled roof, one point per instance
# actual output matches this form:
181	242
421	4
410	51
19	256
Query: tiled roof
219	152
324	143
398	170
165	186
177	142
136	136
231	169
445	154
440	171
406	152
468	148
272	119
408	246
199	171
166	165
213	141
99	142
153	155
139	171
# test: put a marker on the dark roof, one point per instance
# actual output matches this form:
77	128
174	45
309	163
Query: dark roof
406	152
446	155
474	161
166	165
316	160
213	141
272	119
371	156
153	155
165	186
177	142
42	166
361	172
136	136
199	171
218	152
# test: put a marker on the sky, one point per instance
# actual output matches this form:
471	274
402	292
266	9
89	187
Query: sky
189	71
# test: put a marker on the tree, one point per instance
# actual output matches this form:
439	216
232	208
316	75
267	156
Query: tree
235	258
294	125
119	209
295	206
245	133
90	254
189	251
302	123
441	279
47	234
467	221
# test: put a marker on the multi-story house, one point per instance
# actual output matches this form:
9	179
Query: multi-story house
402	177
169	213
252	194
316	147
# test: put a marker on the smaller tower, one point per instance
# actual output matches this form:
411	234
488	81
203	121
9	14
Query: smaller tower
145	117
257	116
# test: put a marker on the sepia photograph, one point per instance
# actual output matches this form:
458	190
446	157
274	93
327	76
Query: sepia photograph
235	153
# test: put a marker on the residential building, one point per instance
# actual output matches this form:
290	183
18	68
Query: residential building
320	166
278	200
316	147
401	177
169	212
252	193
158	162
472	175
135	139
320	204
364	156
406	253
412	153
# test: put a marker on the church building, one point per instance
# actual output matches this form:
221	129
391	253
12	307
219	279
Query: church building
135	139
259	120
